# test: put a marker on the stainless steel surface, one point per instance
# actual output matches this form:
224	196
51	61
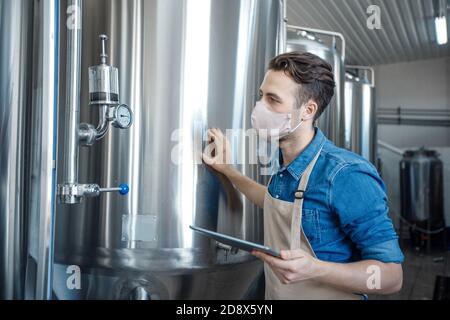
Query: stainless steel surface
73	28
184	66
103	93
42	192
323	32
164	274
364	69
332	121
28	97
421	187
15	87
406	34
360	114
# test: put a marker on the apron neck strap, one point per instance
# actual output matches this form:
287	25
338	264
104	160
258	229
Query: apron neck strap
296	226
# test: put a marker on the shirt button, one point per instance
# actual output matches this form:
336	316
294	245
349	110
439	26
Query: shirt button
281	175
277	196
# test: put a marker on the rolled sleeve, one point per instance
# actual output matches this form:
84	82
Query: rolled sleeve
358	197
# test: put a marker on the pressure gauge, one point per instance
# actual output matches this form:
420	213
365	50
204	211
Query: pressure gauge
123	117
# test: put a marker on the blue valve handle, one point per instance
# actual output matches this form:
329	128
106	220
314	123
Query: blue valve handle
123	189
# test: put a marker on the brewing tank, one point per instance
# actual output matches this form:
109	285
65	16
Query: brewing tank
317	42
360	117
185	66
15	89
421	187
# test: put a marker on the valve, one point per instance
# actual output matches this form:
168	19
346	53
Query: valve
89	190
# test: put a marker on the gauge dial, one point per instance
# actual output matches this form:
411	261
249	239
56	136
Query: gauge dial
123	117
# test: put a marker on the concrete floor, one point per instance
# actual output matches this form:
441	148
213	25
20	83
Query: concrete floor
419	274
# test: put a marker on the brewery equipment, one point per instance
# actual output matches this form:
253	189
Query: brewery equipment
360	112
421	187
324	44
185	66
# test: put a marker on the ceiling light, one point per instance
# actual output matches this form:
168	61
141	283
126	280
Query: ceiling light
441	30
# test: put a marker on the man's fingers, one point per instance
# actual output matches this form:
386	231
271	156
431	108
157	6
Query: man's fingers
208	160
273	261
292	254
210	135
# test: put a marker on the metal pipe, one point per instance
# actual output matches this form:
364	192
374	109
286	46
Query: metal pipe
324	32
390	147
72	116
47	155
103	125
414	121
418	112
372	72
282	42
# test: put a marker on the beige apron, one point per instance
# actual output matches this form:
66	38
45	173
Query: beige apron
283	230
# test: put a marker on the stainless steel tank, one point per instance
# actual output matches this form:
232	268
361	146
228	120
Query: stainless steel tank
421	187
15	87
28	105
360	113
185	65
318	42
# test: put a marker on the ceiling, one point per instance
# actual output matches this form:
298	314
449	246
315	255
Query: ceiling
407	28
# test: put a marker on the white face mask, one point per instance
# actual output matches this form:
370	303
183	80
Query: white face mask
272	125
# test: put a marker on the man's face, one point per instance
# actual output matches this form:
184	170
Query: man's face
278	91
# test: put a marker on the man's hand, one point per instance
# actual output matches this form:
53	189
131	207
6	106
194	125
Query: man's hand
294	266
298	265
217	154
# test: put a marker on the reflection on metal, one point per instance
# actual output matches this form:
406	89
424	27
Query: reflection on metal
184	66
15	87
360	114
421	187
322	32
332	121
103	93
364	69
28	100
141	227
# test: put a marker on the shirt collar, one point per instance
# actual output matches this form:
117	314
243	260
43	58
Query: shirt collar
298	166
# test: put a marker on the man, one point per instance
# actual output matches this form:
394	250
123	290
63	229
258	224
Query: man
326	207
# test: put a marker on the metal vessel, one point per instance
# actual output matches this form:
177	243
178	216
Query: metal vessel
324	44
185	66
28	106
181	66
360	112
421	188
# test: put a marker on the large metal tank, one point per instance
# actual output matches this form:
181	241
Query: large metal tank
360	113
185	65
28	105
324	45
15	86
421	188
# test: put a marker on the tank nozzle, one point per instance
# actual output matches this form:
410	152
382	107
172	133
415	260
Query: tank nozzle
103	55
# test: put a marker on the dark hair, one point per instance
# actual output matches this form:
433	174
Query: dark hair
313	74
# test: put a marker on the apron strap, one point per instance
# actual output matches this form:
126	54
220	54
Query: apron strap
296	224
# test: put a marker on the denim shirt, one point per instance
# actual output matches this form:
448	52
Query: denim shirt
345	209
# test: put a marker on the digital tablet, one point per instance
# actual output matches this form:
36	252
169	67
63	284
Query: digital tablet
235	242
